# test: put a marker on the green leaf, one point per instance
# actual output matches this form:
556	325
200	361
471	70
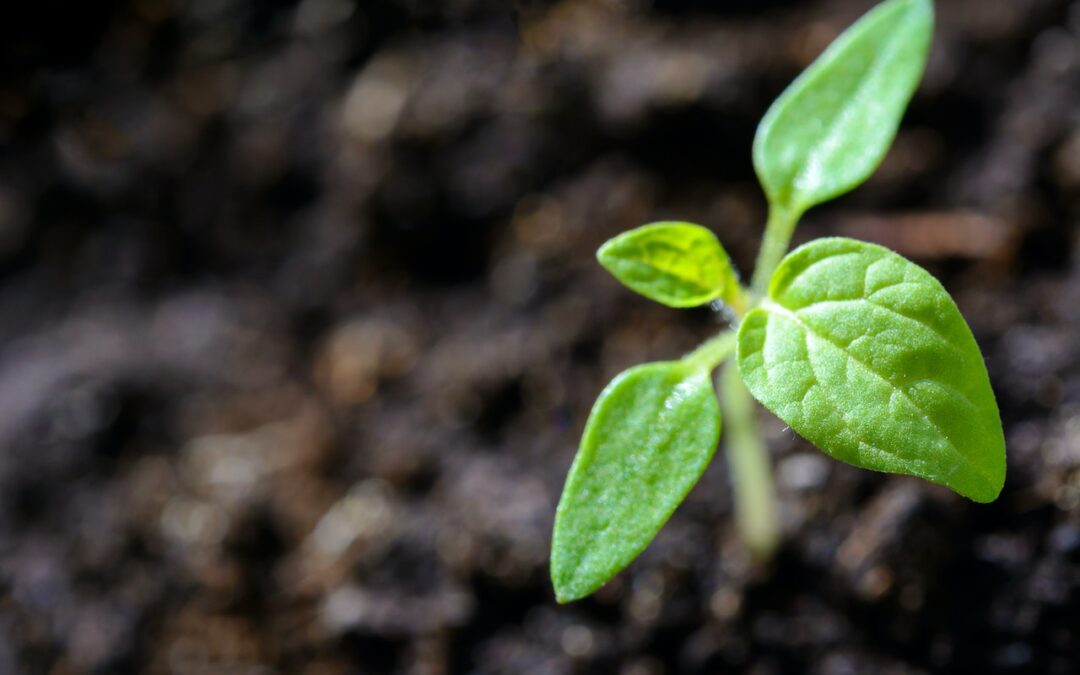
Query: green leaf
675	264
832	127
649	437
865	354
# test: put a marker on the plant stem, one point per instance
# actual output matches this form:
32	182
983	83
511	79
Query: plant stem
774	246
751	476
712	352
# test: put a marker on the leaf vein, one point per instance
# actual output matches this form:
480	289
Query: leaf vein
891	310
783	311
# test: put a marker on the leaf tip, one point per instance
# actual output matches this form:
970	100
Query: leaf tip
983	482
922	10
568	588
570	577
608	257
564	597
986	491
923	5
603	254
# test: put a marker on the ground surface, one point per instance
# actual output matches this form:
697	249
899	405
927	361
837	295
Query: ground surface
300	323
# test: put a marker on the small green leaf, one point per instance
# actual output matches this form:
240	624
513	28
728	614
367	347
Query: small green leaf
649	437
832	127
865	354
675	264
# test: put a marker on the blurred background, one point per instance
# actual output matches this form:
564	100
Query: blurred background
300	323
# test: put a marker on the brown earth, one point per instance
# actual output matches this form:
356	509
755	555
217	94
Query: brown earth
300	323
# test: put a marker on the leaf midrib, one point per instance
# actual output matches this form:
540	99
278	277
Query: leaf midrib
835	125
689	281
770	305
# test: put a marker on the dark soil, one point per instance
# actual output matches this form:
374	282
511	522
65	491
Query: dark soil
300	323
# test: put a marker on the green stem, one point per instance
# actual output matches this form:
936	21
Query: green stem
751	476
712	352
774	246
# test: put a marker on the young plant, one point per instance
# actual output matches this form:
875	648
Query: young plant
857	349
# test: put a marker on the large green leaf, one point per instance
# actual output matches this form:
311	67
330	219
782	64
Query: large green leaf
865	354
676	264
650	436
832	127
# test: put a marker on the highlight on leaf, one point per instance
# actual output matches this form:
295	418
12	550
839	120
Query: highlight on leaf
675	264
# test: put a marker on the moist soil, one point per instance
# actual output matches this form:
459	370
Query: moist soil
300	324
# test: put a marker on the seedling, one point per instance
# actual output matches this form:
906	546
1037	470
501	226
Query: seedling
857	349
